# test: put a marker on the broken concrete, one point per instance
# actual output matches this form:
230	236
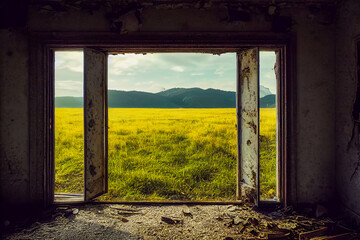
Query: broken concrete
169	222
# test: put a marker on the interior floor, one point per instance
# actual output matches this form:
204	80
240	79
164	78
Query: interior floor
117	221
68	197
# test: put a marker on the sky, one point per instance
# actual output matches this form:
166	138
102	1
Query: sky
159	71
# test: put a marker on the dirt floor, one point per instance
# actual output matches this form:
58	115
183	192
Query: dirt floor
116	221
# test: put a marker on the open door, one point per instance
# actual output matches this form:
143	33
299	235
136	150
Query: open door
247	110
95	123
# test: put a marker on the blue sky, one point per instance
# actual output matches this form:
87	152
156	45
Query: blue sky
160	71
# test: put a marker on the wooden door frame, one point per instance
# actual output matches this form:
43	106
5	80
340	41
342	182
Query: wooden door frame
41	90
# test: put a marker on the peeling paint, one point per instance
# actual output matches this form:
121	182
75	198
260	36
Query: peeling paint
94	109
91	124
248	193
92	170
253	126
248	135
245	76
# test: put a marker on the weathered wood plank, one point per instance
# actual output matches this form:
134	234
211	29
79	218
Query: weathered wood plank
248	124
95	117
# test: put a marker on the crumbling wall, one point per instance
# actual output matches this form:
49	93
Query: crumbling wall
311	25
315	105
14	142
347	109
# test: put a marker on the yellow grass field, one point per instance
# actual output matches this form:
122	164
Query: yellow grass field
164	154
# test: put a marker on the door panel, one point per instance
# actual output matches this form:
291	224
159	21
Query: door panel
95	125
248	124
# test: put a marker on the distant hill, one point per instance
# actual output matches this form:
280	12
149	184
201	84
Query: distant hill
68	102
171	98
135	99
200	98
264	91
268	101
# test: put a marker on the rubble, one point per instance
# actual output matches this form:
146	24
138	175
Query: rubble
75	211
169	220
182	222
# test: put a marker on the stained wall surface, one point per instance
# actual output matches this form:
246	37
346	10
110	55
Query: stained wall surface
313	30
14	137
315	112
347	149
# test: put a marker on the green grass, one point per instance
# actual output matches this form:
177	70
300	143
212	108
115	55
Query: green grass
164	154
267	151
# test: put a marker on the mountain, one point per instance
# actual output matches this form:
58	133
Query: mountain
269	101
264	91
68	102
200	98
171	98
135	99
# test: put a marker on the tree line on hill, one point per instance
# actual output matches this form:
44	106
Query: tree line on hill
171	98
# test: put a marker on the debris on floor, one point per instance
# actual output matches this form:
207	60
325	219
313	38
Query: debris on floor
115	221
170	221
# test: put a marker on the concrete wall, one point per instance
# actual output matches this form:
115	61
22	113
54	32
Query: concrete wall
315	110
347	151
14	137
315	64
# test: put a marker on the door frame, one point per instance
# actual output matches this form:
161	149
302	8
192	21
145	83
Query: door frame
41	91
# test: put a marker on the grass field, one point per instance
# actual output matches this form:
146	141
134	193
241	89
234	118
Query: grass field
164	154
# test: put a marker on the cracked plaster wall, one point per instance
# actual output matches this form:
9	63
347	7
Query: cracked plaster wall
315	112
314	75
14	142
347	152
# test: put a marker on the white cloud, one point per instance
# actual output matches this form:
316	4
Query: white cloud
147	86
178	69
69	82
267	56
68	88
132	64
270	75
144	83
154	72
223	84
267	74
219	71
124	64
72	60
